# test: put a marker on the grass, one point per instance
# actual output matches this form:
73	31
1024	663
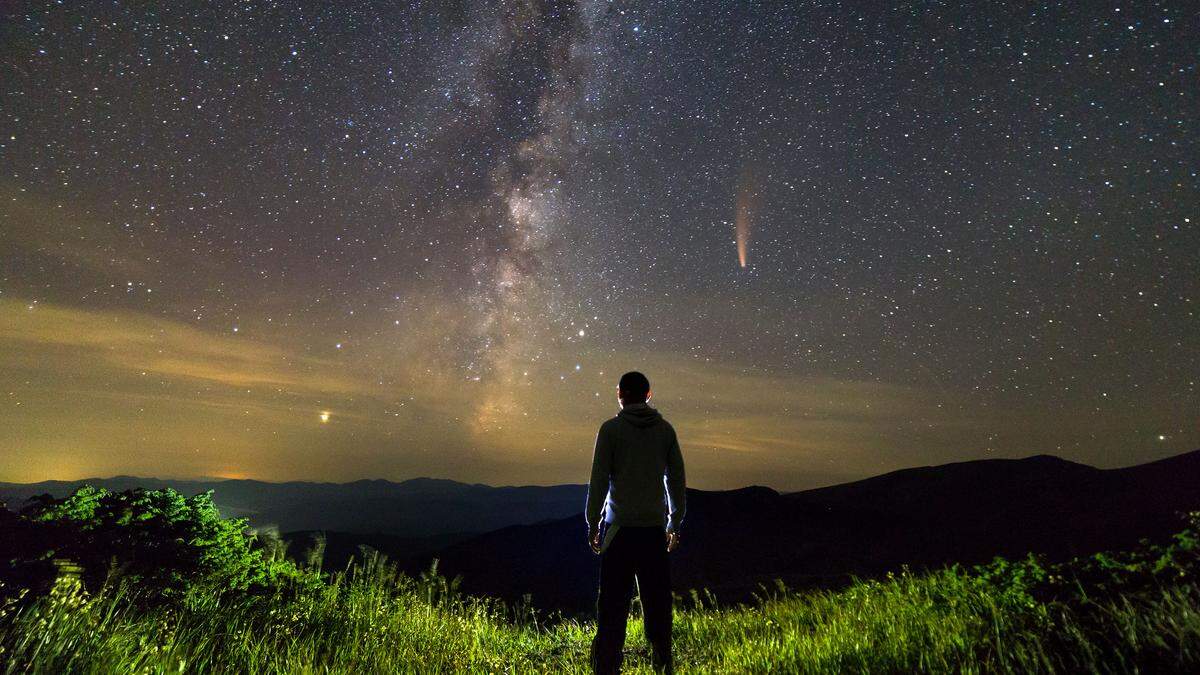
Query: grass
1106	614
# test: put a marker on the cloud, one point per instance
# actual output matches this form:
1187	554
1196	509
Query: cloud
138	343
115	391
100	392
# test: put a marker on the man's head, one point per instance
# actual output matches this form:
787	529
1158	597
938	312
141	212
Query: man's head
633	388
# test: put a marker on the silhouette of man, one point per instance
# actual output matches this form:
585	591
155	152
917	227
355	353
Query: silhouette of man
637	455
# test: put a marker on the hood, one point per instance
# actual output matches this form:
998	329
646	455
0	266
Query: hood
640	415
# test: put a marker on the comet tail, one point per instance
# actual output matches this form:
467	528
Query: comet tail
747	204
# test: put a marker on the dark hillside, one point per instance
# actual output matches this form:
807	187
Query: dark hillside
964	513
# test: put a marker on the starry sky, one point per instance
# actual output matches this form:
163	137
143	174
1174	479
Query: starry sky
328	241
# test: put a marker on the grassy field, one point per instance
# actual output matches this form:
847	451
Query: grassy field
1136	612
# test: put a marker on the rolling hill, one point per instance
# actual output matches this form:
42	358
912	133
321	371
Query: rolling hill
925	517
417	508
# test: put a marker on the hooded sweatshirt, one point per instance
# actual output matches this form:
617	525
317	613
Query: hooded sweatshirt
637	472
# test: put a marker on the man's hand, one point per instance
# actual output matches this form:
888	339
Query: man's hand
672	541
594	540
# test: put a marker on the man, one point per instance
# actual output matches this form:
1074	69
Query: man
637	454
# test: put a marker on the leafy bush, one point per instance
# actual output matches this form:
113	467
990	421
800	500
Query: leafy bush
1102	576
159	541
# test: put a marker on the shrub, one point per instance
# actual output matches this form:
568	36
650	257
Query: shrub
165	544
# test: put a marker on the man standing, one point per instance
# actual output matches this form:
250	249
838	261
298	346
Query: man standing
637	455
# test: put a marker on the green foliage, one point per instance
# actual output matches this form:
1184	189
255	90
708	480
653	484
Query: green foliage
1102	576
1118	613
160	542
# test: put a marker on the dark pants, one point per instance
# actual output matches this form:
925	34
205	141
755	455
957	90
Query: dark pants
640	552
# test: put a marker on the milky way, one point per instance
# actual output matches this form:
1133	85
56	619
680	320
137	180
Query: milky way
343	240
516	300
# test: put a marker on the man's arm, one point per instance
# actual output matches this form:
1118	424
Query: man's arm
676	486
598	486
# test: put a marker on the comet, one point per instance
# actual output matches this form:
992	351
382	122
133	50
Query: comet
746	207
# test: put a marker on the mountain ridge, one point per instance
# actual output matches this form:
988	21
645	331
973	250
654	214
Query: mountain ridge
1192	455
926	517
367	506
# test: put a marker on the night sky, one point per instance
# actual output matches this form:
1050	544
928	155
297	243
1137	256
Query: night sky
337	240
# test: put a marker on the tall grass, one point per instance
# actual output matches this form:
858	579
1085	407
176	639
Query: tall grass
371	619
944	622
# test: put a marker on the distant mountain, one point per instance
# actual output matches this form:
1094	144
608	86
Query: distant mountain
418	508
925	517
512	541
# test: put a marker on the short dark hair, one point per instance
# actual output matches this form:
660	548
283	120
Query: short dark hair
634	386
